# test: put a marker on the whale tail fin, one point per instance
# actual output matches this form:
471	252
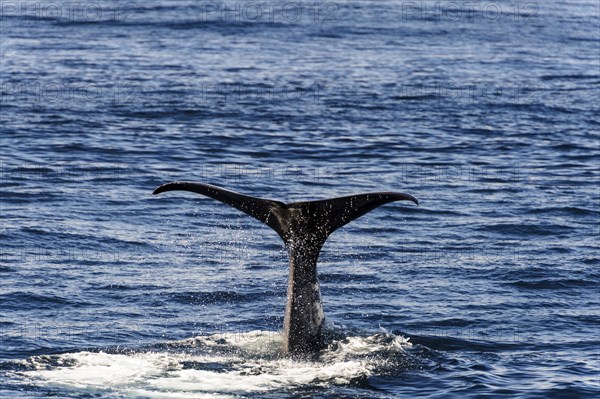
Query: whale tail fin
304	227
261	209
309	220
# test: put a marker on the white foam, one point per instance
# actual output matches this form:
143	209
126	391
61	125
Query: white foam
217	366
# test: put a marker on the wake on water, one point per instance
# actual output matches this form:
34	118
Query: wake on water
216	366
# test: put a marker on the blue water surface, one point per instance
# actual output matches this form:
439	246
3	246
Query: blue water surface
488	112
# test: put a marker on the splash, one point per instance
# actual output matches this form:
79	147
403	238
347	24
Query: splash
215	366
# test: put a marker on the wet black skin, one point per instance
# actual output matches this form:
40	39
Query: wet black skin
304	228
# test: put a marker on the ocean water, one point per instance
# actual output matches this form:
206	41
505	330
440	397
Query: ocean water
488	112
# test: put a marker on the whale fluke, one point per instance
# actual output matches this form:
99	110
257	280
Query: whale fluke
261	209
304	228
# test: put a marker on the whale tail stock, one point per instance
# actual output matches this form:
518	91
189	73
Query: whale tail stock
304	227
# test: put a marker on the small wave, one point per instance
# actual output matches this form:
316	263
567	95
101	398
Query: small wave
347	277
527	229
191	24
422	97
125	287
591	261
422	210
569	77
29	300
449	344
564	210
551	284
216	297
